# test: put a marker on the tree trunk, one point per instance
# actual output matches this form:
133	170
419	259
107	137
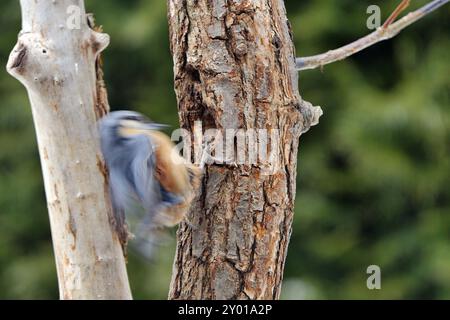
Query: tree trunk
55	59
234	65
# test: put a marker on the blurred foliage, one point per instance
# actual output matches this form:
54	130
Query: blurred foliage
373	184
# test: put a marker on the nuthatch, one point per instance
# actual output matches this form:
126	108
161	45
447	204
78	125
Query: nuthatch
145	170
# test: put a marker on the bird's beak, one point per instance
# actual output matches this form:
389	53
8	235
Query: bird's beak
148	125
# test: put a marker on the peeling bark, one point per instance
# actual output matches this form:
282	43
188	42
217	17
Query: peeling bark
57	65
234	66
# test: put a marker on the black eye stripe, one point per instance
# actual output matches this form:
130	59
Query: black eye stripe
133	118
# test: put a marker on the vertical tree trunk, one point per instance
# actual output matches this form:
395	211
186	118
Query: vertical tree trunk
55	59
235	69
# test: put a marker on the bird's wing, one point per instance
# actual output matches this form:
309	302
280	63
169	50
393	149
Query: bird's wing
141	178
120	198
142	170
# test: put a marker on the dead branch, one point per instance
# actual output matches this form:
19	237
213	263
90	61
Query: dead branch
385	32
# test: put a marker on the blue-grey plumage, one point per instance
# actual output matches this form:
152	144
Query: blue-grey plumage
144	170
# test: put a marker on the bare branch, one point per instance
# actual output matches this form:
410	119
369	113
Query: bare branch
387	31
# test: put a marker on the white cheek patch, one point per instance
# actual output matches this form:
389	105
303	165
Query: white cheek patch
131	128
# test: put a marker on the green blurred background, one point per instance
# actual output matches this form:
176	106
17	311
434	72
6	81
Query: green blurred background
373	185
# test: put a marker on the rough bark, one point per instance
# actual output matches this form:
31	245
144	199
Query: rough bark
234	65
57	65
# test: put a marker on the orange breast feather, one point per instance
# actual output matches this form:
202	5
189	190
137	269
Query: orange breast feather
171	169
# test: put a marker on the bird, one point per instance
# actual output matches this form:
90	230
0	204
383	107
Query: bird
146	175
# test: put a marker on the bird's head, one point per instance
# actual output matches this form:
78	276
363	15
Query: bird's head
126	124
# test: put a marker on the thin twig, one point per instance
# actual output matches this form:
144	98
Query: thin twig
381	34
400	8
